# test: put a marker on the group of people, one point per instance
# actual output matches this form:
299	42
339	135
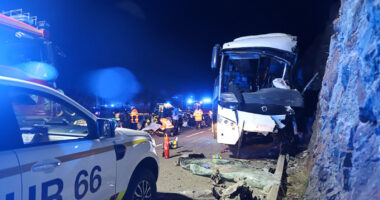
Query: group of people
128	120
170	124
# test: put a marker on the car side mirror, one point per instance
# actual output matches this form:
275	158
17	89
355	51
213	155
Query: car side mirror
106	128
215	60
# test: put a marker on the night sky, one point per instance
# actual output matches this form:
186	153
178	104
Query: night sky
166	44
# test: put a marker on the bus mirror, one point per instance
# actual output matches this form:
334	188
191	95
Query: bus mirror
215	56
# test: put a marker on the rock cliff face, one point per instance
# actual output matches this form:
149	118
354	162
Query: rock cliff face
347	147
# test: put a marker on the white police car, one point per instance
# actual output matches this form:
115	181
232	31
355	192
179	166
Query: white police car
51	148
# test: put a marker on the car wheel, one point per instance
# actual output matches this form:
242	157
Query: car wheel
142	186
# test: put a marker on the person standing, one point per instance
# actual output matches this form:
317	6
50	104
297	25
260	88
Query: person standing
175	117
167	126
198	115
134	118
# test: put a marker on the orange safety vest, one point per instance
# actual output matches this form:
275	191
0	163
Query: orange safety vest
166	124
134	116
198	115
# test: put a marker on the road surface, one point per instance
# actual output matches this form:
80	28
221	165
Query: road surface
173	179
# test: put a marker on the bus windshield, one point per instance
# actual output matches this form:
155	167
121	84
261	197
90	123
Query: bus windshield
250	74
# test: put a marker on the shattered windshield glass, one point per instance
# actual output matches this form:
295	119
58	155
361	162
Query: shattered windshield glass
250	74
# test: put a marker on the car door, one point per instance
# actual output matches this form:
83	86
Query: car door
61	157
10	176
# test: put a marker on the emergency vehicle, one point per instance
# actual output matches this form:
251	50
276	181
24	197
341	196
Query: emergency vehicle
53	148
254	93
26	51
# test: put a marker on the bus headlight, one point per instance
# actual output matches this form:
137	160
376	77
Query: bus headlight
227	122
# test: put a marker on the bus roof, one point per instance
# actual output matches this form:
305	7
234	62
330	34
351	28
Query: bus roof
280	41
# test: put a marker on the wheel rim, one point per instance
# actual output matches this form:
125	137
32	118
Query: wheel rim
143	190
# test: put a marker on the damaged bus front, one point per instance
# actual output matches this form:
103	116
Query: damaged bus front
254	94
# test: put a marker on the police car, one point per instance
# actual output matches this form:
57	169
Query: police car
51	148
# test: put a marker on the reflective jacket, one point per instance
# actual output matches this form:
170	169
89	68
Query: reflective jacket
166	124
198	115
134	116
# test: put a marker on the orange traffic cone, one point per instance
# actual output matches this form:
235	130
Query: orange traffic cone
166	146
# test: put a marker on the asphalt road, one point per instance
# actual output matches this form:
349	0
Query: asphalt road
173	179
193	140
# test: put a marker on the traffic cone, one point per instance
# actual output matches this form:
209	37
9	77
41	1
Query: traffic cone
166	146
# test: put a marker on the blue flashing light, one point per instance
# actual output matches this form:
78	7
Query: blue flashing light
206	100
112	105
40	70
189	101
113	84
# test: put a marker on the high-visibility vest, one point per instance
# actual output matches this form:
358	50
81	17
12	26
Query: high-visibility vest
117	116
198	115
134	116
166	124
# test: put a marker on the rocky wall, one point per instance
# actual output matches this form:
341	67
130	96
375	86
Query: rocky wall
347	149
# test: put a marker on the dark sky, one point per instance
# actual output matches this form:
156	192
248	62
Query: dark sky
166	44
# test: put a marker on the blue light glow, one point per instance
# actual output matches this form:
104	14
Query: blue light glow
189	101
206	100
114	84
39	70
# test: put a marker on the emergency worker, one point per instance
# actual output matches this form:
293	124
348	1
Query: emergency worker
198	114
134	118
167	126
117	119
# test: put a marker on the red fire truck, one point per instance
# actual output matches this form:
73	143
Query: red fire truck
25	49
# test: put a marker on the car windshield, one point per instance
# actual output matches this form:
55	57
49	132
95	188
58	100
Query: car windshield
251	73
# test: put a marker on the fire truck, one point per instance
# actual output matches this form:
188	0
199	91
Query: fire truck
26	51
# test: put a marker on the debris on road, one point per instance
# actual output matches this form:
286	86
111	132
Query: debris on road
193	155
173	144
217	156
237	191
189	156
225	150
231	170
198	194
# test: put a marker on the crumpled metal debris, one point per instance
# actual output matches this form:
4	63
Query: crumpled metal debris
230	170
237	191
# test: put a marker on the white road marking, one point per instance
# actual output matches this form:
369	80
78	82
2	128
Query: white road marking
195	134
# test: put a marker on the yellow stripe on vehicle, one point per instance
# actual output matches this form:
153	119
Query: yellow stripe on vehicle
120	195
11	171
135	142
